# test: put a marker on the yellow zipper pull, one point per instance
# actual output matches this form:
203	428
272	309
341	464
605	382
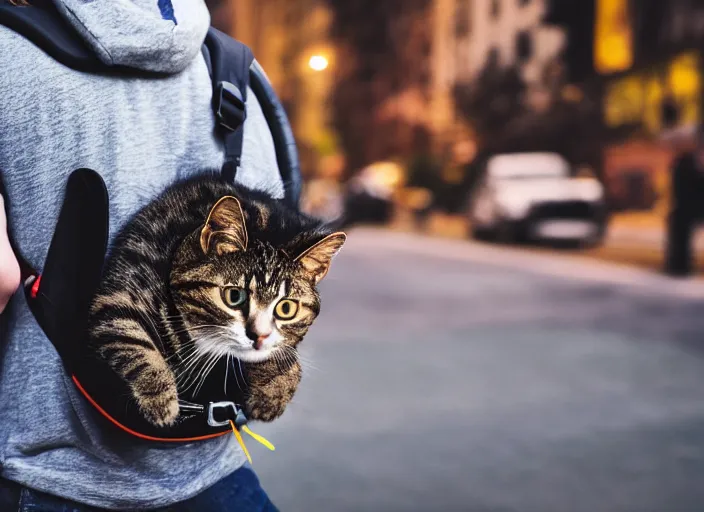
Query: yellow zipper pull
258	438
240	440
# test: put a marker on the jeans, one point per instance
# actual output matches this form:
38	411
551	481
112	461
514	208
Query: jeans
239	492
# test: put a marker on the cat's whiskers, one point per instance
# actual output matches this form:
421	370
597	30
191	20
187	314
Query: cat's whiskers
157	331
192	377
295	356
183	350
195	351
215	359
276	355
198	327
308	363
184	380
189	346
239	364
237	380
227	371
194	359
195	379
279	358
287	358
192	353
203	361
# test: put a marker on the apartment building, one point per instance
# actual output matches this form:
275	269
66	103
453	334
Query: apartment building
504	33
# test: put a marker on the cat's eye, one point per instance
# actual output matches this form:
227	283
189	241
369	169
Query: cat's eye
234	297
286	309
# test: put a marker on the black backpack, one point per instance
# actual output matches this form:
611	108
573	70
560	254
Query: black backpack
59	298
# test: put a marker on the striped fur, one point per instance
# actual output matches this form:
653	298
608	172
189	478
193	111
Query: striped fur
165	314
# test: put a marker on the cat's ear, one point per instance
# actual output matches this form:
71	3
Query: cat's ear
224	230
316	260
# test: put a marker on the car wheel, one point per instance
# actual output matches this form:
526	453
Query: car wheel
482	234
508	233
593	241
598	238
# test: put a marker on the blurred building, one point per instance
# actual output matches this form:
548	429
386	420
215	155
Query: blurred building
471	36
504	33
407	113
644	61
443	69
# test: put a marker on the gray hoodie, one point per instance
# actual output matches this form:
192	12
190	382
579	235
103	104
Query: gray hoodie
141	134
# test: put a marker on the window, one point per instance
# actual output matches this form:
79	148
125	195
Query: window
424	78
495	8
492	59
462	14
426	48
524	47
367	73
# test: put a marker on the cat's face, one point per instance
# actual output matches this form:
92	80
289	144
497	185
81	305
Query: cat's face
244	298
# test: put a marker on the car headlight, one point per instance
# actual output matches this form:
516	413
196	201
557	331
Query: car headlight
513	207
590	190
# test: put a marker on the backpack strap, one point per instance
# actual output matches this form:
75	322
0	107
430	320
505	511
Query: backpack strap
233	69
229	70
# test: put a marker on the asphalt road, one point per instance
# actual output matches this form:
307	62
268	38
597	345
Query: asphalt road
456	377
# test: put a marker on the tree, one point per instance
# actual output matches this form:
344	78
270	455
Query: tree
574	128
491	102
374	40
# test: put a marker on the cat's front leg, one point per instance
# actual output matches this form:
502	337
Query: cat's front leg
156	395
271	388
149	378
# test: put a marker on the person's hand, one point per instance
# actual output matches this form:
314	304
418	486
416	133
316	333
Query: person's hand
9	267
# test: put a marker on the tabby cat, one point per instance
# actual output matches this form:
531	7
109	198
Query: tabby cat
206	272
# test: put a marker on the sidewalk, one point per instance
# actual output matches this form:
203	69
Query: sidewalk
633	238
643	230
570	265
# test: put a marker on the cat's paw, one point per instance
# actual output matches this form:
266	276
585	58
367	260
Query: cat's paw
271	388
261	407
268	402
160	410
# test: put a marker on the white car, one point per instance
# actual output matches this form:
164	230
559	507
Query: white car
532	196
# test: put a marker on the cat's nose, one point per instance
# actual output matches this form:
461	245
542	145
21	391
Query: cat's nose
257	338
259	342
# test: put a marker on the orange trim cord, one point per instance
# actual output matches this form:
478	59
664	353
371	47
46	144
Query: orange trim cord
137	434
35	287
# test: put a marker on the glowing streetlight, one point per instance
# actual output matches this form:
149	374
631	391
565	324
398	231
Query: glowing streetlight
318	63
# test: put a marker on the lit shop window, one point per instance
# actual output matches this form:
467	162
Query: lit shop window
613	37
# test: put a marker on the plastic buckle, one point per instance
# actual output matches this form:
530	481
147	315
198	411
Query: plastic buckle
221	405
229	107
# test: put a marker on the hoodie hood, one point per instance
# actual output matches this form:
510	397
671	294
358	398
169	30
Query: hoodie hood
152	35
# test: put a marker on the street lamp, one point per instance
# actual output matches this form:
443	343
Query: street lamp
318	63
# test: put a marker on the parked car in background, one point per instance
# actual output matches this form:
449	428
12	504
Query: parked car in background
370	194
323	199
532	196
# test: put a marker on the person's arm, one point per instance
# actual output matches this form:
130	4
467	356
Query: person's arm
9	267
